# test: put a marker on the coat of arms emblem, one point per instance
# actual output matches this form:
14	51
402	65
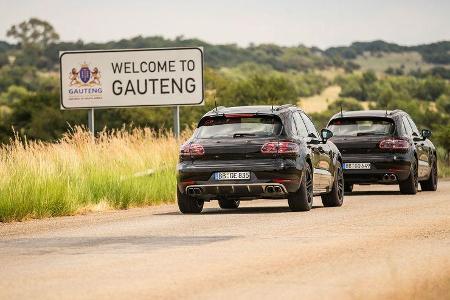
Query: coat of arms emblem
84	76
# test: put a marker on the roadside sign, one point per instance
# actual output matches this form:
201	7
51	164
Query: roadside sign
131	78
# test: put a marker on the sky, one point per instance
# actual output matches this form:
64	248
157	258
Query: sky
284	22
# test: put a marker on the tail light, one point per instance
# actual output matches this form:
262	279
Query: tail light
192	150
280	148
394	144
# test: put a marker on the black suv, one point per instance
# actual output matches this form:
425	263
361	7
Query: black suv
384	147
251	152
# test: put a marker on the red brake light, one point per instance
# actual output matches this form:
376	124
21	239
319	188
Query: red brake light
394	144
239	115
280	148
192	150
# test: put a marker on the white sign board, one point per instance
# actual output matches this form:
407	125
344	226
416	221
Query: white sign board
124	78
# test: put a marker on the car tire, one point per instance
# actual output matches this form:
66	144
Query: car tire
431	183
336	196
188	204
302	199
348	187
410	185
225	203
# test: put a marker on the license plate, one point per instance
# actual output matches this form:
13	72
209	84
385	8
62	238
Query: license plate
232	175
357	166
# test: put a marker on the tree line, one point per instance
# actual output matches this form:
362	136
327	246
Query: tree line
258	74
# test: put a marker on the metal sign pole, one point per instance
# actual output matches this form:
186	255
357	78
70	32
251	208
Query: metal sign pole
91	121
176	121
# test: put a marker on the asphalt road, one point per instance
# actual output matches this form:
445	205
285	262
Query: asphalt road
379	244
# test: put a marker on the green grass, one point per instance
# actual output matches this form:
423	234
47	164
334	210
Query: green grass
75	174
443	163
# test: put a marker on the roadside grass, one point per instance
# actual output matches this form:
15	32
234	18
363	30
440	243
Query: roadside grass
443	163
77	174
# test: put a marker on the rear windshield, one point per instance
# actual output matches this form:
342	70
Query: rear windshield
237	126
361	126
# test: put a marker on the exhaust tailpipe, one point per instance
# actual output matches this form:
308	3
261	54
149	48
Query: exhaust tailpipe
386	177
392	177
269	189
277	189
194	191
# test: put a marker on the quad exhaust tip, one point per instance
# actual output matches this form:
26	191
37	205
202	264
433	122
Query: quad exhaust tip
194	191
389	177
274	189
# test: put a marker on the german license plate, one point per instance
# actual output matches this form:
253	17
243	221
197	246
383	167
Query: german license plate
232	175
357	166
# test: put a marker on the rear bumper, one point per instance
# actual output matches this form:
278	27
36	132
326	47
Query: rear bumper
381	165
269	178
263	190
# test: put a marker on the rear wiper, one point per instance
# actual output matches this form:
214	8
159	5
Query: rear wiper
369	133
243	134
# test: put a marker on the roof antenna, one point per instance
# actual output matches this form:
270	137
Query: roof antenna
272	105
386	111
215	104
342	115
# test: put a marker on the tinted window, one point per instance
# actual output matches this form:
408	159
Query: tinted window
407	127
413	126
301	127
361	126
237	126
309	125
293	125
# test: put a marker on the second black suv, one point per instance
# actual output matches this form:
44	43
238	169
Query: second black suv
384	147
251	152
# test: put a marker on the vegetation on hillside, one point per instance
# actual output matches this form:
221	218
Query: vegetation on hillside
436	53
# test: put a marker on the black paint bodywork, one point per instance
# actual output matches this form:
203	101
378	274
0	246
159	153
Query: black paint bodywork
244	154
365	149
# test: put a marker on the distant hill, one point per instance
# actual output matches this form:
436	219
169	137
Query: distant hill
377	55
435	53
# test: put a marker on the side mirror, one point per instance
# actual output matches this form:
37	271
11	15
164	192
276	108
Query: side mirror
325	134
426	133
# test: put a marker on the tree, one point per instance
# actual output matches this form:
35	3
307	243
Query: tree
346	104
442	136
3	59
33	37
33	32
443	104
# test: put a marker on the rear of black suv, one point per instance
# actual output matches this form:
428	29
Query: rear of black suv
252	152
384	147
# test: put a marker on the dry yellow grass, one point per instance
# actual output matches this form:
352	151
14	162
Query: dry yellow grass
77	174
319	103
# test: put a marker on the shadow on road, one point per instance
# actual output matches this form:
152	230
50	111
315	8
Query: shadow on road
122	244
242	211
372	193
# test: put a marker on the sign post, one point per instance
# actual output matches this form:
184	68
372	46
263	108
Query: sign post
132	78
91	122
176	121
